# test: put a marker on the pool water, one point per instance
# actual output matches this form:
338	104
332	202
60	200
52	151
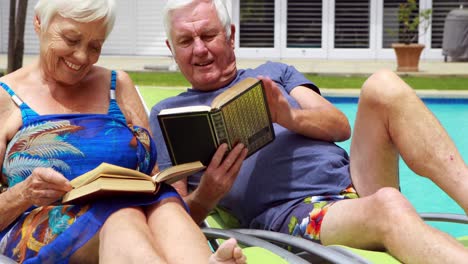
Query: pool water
421	192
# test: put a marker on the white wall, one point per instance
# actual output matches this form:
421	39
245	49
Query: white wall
138	29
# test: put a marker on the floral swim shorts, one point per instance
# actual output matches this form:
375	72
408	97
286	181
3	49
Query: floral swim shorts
306	218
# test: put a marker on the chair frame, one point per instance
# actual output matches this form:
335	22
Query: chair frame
314	252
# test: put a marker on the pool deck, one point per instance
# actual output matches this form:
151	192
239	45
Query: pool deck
317	66
420	93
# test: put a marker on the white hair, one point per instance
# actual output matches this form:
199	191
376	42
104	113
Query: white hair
79	10
171	5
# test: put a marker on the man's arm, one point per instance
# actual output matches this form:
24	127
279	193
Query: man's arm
215	183
317	118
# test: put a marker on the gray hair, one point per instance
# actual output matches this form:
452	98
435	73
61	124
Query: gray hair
172	5
79	10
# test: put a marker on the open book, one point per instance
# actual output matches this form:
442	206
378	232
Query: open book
107	179
239	114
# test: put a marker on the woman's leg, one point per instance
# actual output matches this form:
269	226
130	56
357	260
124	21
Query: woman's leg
88	253
124	238
181	240
161	234
127	238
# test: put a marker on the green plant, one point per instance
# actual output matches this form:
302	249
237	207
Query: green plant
409	18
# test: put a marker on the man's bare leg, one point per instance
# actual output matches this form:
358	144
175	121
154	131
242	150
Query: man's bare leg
392	120
386	220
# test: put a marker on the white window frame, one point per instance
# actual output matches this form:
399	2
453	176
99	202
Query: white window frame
257	52
327	51
428	52
341	53
316	53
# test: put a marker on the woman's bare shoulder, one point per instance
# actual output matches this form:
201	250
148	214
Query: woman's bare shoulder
124	80
5	98
98	74
10	114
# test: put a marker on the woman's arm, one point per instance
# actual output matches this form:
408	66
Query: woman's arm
42	187
130	102
10	205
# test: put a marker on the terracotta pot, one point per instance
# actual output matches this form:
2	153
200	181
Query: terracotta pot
408	56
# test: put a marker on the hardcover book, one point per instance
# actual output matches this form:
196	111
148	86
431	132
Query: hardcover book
239	114
106	180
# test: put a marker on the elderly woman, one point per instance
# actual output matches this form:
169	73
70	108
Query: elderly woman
63	116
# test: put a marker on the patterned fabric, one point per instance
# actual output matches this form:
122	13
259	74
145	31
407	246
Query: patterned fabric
70	144
309	227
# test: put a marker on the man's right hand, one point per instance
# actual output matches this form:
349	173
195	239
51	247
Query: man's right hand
217	180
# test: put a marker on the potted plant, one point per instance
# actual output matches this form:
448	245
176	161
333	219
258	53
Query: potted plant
407	50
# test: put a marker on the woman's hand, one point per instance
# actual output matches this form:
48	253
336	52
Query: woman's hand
44	186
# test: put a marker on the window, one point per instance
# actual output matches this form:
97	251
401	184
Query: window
304	27
352	23
257	24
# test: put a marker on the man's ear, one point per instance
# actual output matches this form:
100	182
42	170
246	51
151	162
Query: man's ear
169	46
233	36
37	24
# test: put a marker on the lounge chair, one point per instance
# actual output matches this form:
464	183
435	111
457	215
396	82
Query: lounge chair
316	253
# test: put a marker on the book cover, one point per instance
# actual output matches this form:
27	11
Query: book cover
239	114
107	180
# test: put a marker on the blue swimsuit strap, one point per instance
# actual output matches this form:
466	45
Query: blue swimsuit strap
114	109
27	113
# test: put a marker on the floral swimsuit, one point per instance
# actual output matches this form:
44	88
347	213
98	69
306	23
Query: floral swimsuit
70	144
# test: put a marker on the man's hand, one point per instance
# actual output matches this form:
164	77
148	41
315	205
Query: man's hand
218	178
43	187
316	117
280	110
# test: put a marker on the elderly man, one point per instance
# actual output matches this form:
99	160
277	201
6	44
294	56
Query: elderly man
303	184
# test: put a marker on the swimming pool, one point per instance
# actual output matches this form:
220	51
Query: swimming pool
422	193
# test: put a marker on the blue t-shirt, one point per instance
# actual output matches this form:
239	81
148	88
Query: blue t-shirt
281	174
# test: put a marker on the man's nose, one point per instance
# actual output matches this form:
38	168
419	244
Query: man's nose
199	46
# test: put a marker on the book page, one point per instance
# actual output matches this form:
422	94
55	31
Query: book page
185	109
108	187
109	169
178	172
233	91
